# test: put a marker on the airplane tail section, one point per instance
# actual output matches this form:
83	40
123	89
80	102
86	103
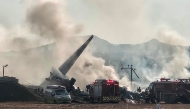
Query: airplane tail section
64	68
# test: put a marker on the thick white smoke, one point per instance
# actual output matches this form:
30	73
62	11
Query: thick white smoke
129	19
46	22
88	68
177	67
120	22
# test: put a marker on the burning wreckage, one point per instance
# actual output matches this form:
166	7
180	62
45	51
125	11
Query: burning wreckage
103	90
100	91
59	77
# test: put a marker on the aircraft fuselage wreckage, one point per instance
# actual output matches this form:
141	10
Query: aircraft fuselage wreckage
59	77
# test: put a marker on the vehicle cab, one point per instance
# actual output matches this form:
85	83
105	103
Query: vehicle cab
57	94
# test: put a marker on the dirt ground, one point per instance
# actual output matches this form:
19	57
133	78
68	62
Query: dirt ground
121	105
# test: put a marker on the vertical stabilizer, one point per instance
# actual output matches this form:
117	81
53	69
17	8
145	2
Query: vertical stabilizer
64	68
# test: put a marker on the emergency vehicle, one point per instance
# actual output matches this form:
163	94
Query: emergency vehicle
57	94
169	91
103	90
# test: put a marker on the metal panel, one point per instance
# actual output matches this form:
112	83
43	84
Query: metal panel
95	91
158	95
100	91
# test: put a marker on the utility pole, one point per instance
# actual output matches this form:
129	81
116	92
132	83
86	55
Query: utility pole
3	68
132	70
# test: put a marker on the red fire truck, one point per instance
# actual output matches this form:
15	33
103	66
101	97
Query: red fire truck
103	90
169	91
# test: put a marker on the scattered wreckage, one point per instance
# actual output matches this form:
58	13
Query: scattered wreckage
96	94
130	96
59	77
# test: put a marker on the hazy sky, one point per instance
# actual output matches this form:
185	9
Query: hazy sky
117	21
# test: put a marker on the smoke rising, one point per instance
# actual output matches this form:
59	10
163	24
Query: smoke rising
177	67
171	37
48	21
53	26
152	60
88	68
41	27
157	59
119	22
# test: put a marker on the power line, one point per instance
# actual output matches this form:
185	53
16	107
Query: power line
132	71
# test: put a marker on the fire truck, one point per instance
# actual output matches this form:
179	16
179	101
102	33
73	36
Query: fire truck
169	91
103	90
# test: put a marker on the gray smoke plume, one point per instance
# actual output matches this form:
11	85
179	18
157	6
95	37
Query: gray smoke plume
177	67
128	18
47	21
